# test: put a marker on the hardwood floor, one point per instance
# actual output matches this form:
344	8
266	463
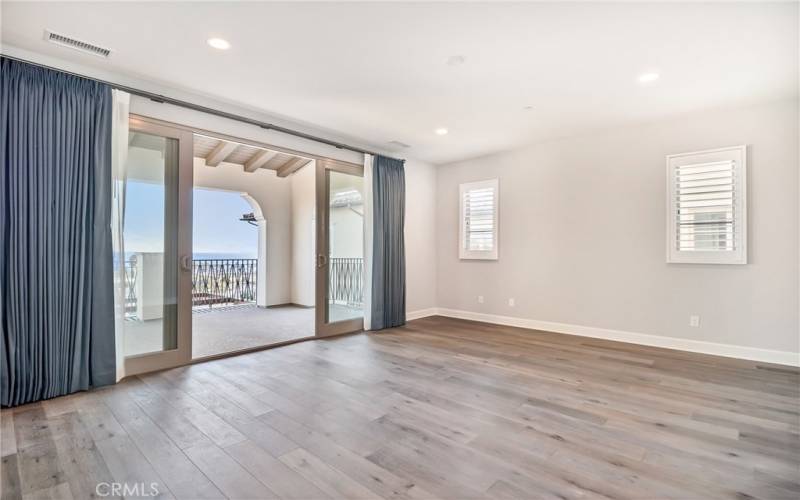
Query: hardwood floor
441	408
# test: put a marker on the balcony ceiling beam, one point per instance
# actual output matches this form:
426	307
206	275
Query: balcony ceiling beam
220	152
292	166
259	160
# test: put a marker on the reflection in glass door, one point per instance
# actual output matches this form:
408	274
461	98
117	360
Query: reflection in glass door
340	257
155	239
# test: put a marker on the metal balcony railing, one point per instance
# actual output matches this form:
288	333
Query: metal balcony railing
130	286
346	279
234	281
224	281
214	282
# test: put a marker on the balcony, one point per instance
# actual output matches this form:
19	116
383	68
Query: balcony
225	317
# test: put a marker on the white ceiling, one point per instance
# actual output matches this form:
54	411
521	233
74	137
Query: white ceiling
379	72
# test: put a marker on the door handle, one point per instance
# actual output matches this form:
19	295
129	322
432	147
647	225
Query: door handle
322	260
186	263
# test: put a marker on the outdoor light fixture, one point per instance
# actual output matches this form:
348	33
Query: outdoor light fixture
250	219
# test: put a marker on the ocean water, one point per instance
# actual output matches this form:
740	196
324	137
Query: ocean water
200	256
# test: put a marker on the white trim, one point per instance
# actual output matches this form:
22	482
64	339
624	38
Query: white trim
698	346
421	313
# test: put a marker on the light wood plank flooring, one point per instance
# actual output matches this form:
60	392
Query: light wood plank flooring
441	408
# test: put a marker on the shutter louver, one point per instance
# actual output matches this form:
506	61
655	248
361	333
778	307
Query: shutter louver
479	217
705	207
477	237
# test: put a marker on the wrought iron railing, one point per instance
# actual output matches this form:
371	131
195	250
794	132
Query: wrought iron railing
214	281
224	281
347	281
234	281
130	286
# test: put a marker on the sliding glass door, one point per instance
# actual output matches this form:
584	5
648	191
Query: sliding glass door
157	247
340	247
161	269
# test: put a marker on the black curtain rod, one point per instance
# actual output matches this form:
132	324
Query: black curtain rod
204	109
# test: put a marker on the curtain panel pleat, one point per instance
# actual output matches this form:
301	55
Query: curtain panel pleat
388	243
56	303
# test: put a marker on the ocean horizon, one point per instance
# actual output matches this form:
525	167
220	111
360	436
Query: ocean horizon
211	255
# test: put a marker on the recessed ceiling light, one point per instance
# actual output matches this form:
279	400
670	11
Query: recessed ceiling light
648	77
219	43
441	131
455	60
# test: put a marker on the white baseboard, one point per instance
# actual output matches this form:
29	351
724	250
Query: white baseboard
421	313
699	346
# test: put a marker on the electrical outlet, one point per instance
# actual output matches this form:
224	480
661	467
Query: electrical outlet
480	299
694	321
511	302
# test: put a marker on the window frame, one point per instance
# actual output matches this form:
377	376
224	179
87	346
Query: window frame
738	154
463	252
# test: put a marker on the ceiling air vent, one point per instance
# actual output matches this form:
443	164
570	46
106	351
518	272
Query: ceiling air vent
72	43
399	144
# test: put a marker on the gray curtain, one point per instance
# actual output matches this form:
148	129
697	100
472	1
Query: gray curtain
388	249
56	302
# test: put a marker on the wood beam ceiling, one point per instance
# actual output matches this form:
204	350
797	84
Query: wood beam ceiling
259	160
219	153
292	166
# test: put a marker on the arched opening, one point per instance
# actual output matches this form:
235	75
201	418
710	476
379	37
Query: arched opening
226	246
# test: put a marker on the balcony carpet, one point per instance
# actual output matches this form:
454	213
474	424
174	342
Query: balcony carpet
224	329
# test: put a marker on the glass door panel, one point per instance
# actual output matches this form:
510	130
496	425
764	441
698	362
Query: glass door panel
345	246
151	251
155	241
340	258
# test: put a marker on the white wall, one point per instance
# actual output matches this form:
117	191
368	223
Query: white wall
420	236
304	205
347	233
273	194
582	233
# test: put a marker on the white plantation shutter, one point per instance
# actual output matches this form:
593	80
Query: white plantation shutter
478	234
479	219
706	207
704	202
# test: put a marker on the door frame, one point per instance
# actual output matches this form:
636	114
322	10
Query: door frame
322	261
147	362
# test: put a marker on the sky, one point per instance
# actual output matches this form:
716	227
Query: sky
216	229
